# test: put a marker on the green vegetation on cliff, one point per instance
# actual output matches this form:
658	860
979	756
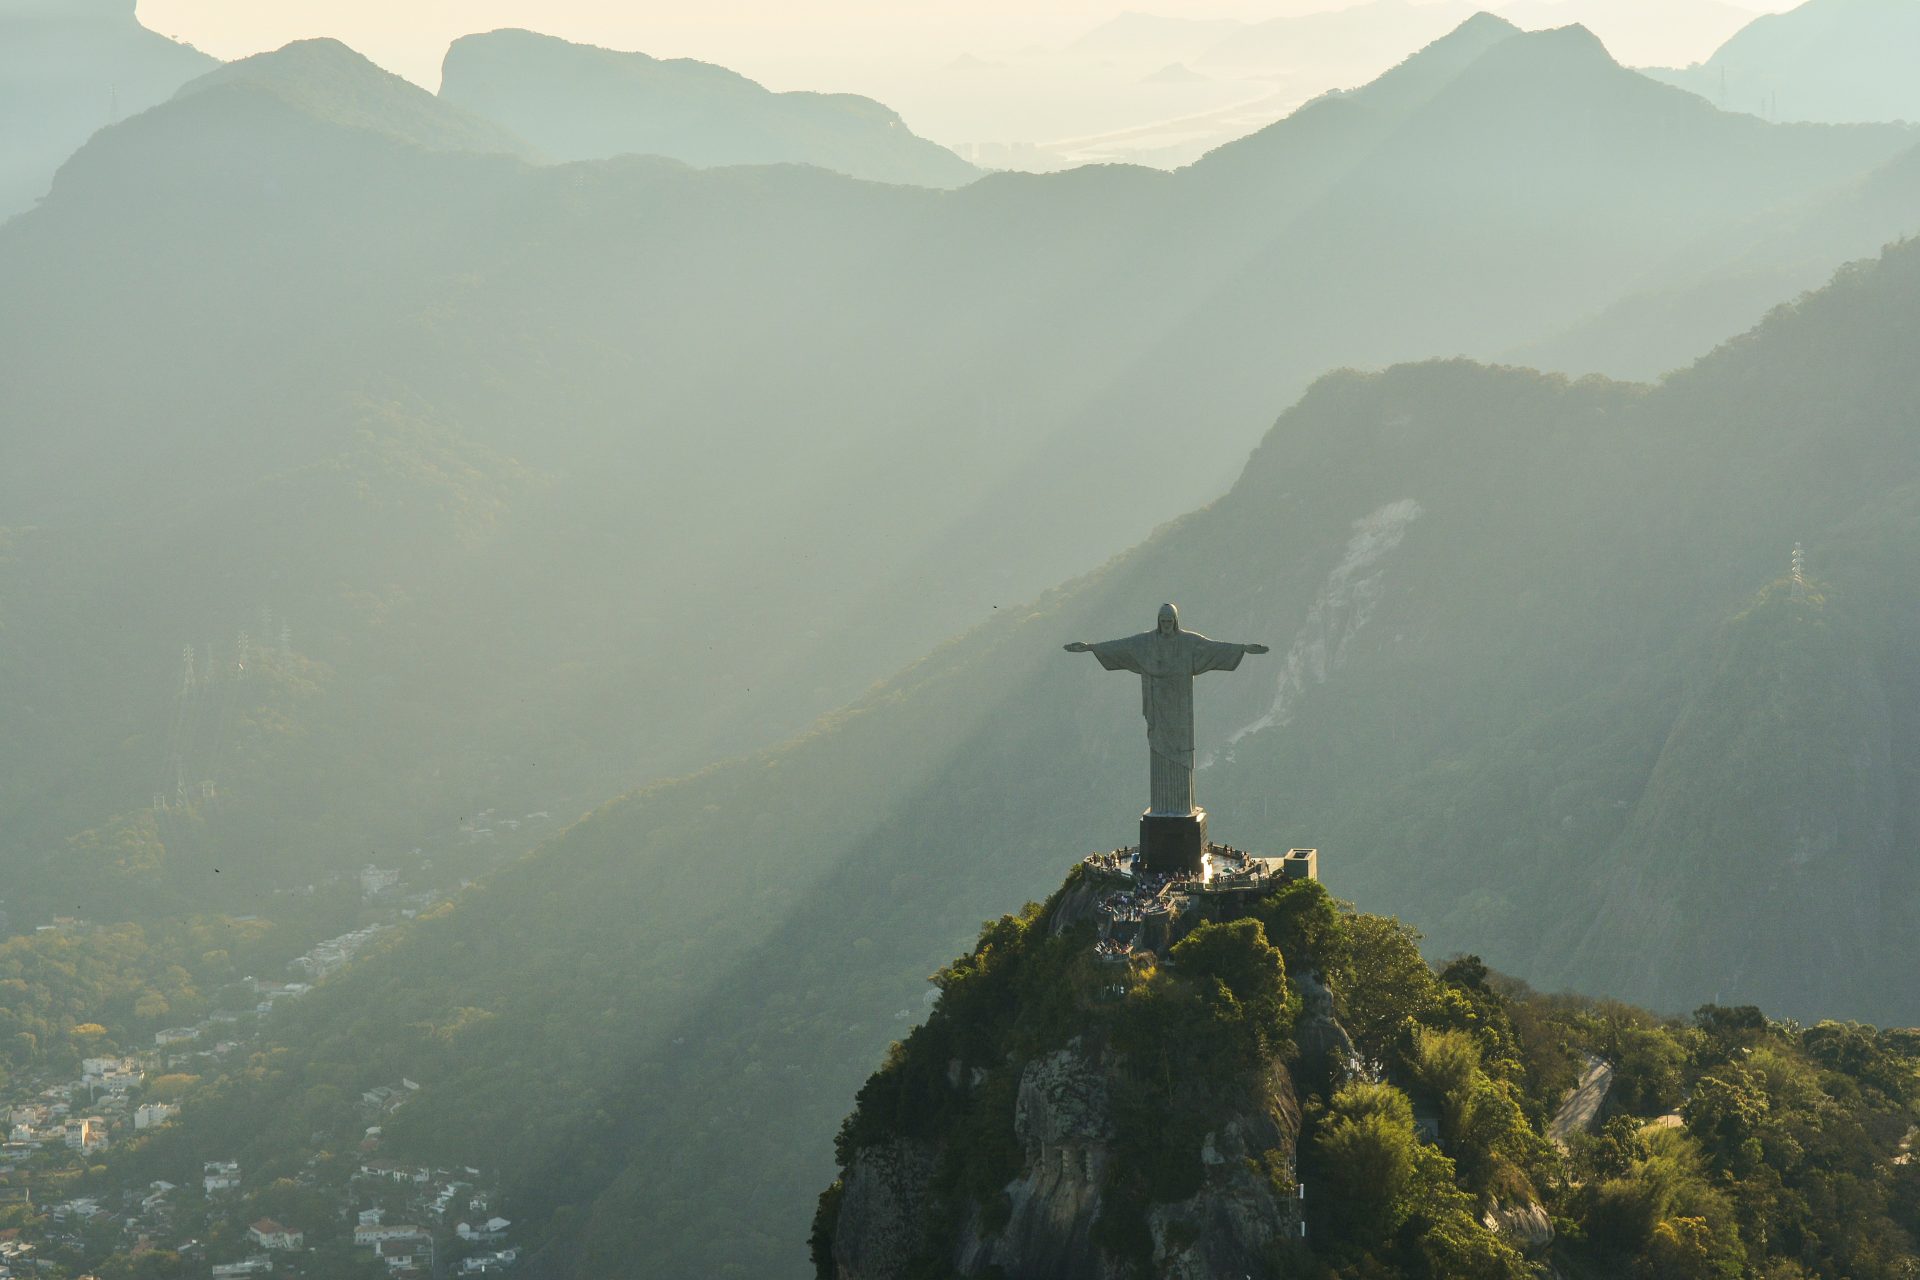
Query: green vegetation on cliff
1732	1145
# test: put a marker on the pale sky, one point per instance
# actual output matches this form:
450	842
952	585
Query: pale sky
409	36
913	55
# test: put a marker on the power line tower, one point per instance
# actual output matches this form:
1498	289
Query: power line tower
1799	572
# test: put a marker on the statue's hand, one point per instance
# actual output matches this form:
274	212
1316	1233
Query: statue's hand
1078	647
1258	648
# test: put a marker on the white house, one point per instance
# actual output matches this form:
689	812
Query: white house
88	1133
483	1233
245	1267
269	1234
394	1172
220	1175
400	1255
151	1115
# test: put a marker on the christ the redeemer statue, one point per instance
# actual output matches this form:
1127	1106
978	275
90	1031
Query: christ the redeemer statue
1173	830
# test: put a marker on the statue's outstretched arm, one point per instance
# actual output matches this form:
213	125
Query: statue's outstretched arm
1255	648
1079	646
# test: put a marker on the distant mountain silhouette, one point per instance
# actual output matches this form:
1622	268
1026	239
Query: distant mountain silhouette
1153	36
1351	42
1638	31
1554	177
1336	133
1728	282
861	414
1831	60
1173	73
67	69
578	102
329	82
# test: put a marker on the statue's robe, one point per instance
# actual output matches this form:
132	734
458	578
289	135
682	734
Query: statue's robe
1166	666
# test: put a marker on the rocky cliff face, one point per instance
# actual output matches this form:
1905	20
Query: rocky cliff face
1063	1119
1046	1225
882	1210
68	68
1092	1099
1095	1099
1242	1218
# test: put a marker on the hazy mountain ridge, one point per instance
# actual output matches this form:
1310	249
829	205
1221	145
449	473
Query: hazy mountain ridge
1832	60
462	471
67	70
579	102
1345	45
895	443
328	81
1789	735
1734	280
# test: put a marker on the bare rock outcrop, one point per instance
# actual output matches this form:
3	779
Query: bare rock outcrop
1525	1226
1063	1119
1044	1226
883	1211
1235	1224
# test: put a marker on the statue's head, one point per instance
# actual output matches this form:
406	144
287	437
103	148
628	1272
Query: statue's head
1169	620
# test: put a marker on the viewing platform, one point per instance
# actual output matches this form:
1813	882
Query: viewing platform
1141	910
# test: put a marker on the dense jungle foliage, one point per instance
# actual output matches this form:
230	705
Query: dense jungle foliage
1729	1144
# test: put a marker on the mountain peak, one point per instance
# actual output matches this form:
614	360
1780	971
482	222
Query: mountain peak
1560	49
1560	64
1835	61
329	80
1328	124
293	64
1482	22
583	102
525	42
1431	68
67	67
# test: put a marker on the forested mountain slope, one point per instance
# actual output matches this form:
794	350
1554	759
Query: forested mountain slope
67	68
1536	684
579	102
1272	1086
1743	276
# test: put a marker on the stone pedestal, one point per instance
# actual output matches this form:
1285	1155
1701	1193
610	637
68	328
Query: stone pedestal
1172	843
